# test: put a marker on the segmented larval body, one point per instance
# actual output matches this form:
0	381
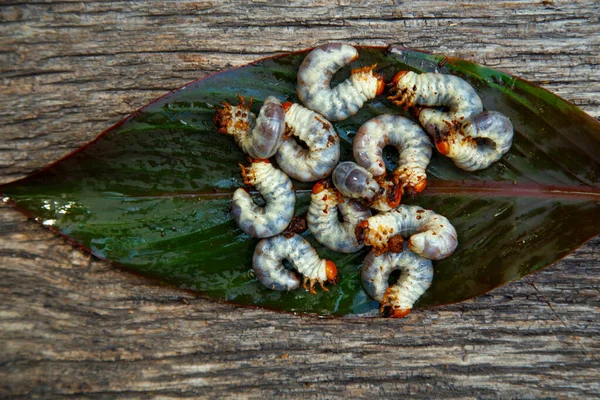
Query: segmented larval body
258	137
268	267
317	133
398	299
480	142
413	146
431	235
355	182
322	218
473	139
276	189
430	89
344	100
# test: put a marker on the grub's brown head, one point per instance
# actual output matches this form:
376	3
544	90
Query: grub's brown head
442	146
398	76
320	186
378	73
419	187
331	272
286	106
390	311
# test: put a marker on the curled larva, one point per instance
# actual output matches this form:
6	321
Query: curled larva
317	133
314	82
398	299
481	141
268	267
355	182
276	189
473	139
431	235
414	149
430	89
258	137
322	218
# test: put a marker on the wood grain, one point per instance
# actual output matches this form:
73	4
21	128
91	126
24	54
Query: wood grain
73	326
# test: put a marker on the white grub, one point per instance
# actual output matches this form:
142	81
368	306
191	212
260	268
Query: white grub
258	137
472	138
355	182
323	222
318	135
430	89
278	192
480	142
343	101
430	235
396	300
268	267
412	143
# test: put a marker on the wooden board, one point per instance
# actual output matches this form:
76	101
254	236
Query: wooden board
73	326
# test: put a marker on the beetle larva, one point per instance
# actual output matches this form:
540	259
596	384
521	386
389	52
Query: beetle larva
317	133
322	218
276	189
431	235
414	149
411	89
473	139
355	182
267	264
258	137
484	140
398	299
314	82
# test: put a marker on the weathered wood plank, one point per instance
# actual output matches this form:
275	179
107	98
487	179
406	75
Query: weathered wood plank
113	58
74	326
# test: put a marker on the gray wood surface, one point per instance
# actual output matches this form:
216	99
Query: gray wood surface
73	326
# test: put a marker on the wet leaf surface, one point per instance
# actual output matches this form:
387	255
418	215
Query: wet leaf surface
153	192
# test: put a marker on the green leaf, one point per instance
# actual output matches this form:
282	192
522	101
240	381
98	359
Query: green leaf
153	192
